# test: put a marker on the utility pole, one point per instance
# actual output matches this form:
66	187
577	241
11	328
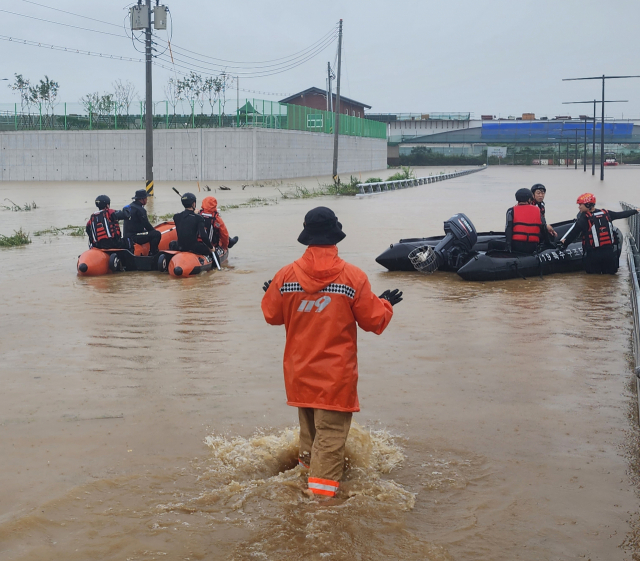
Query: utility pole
337	110
593	147
603	78
140	15
148	118
575	153
238	103
330	92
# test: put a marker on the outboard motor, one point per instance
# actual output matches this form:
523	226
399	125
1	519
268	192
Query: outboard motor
460	238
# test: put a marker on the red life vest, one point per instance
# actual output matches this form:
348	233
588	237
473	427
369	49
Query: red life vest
210	228
101	227
527	223
600	230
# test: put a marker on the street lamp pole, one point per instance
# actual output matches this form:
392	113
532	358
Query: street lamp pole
603	78
593	148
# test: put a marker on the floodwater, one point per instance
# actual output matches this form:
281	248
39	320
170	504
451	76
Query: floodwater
143	417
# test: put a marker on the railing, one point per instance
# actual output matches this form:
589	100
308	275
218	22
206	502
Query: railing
184	115
384	186
633	258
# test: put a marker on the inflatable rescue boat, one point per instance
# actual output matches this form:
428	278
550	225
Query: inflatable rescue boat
94	261
482	257
183	264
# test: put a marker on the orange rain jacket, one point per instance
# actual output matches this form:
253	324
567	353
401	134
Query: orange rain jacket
210	207
319	298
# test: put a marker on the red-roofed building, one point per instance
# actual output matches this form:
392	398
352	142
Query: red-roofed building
316	98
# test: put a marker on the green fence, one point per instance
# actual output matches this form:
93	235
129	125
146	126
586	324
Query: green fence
184	115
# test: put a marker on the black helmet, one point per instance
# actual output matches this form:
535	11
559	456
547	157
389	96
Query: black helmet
538	187
188	199
102	201
523	195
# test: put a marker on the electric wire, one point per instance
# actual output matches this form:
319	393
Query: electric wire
186	65
246	70
67	49
70	13
64	24
334	30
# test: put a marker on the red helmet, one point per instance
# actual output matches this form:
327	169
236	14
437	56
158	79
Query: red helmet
586	199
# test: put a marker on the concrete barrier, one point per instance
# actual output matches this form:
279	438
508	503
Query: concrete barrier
384	186
248	154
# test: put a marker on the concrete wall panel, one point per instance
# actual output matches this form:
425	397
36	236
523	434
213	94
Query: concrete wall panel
243	154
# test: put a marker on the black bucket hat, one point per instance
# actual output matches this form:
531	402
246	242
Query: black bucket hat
321	227
141	194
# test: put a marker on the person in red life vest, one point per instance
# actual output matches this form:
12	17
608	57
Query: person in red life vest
103	228
539	191
321	300
214	225
524	224
598	237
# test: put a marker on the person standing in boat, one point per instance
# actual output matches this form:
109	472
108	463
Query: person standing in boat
192	235
137	227
539	191
598	236
524	229
214	226
103	227
321	300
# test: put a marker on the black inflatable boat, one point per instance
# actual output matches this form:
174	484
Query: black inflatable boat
472	256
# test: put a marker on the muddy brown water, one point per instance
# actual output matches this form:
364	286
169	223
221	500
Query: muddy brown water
143	417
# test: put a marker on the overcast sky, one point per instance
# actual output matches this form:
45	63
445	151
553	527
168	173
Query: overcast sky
501	57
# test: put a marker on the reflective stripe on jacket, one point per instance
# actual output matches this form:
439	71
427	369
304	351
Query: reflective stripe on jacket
527	223
321	300
600	229
103	226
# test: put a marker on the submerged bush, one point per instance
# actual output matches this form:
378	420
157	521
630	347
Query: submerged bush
19	237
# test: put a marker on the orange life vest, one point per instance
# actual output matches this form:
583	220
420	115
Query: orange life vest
600	230
527	223
101	227
210	227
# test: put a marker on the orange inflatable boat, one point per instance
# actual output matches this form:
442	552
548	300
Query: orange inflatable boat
184	264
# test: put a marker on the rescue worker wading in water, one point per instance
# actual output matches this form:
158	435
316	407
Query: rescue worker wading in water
103	228
524	224
598	238
321	300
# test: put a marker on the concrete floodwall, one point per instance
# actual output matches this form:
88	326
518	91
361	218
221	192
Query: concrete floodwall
182	155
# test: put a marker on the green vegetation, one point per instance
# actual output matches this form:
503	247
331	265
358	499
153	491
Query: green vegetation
19	238
157	218
373	180
250	203
405	173
16	207
65	231
422	156
340	189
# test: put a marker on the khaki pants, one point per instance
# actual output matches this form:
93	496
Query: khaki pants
323	435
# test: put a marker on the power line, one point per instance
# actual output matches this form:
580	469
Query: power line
333	31
64	24
70	13
256	69
67	49
186	65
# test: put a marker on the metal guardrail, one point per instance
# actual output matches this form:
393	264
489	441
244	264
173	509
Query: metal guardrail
383	186
633	258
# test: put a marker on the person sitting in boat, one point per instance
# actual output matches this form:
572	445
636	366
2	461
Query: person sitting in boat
598	237
214	226
137	227
103	227
539	191
192	235
524	228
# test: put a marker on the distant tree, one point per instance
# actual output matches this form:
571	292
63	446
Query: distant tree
90	103
190	89
123	95
23	87
46	93
171	92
